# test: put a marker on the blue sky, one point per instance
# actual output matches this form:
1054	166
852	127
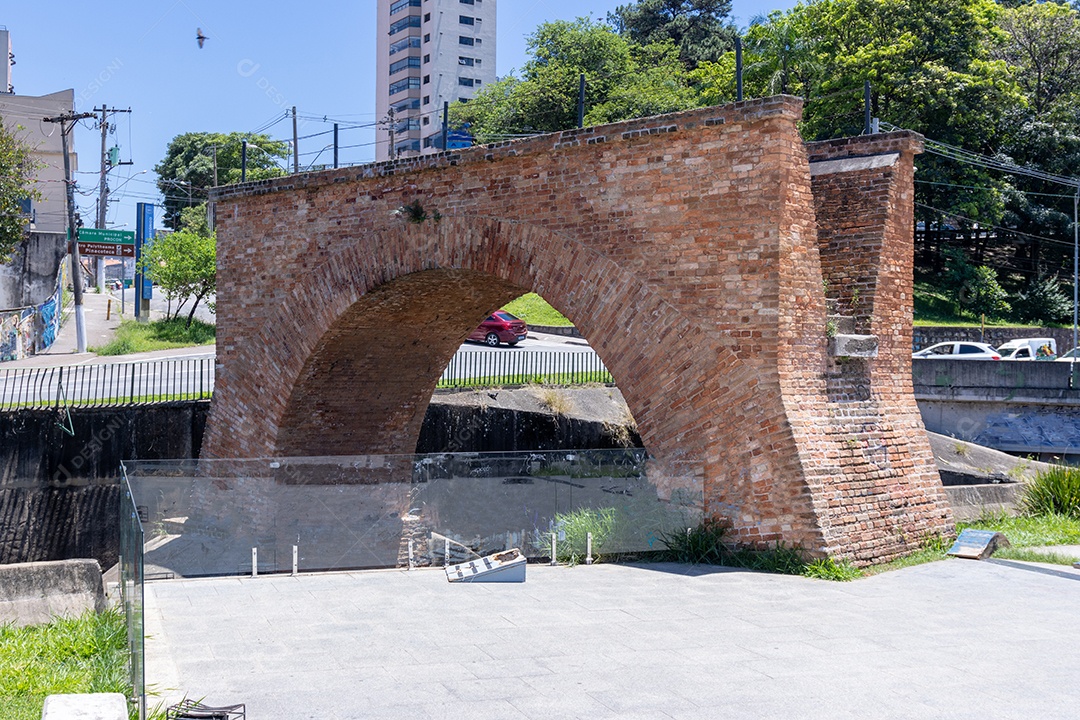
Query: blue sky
259	61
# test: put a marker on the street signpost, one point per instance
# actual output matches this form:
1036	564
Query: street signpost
97	242
98	235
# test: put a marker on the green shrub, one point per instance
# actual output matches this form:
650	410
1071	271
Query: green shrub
1054	492
572	529
701	545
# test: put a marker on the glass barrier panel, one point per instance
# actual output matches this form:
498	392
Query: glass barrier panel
206	517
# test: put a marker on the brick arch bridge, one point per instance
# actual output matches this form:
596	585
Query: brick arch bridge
701	253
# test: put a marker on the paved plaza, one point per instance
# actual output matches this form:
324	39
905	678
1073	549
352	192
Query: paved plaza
951	639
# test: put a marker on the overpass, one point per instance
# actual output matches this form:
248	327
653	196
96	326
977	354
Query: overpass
700	253
1013	406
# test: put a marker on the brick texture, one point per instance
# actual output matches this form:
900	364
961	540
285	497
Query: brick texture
688	248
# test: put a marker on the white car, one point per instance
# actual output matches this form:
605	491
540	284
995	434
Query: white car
959	351
1070	356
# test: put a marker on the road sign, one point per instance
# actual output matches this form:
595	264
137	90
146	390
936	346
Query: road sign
96	235
105	249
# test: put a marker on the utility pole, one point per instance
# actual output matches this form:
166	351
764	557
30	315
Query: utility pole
445	125
390	129
103	188
73	230
295	145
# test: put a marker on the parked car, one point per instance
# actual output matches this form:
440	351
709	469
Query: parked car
1029	349
959	351
500	326
1070	356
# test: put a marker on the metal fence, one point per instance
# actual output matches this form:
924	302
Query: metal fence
517	367
167	380
107	385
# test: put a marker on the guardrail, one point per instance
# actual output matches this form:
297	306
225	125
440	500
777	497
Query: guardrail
107	385
517	367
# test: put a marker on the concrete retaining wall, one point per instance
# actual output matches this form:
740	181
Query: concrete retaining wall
34	593
35	448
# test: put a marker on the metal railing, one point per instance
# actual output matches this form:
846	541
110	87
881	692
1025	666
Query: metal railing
517	367
168	380
107	385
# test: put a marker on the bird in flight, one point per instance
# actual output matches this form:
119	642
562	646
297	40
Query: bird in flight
199	36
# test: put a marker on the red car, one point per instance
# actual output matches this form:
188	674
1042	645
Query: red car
500	326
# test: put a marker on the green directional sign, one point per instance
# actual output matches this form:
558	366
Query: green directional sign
96	235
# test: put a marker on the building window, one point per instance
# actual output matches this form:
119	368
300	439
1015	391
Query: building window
467	61
427	37
427	58
409	62
405	147
404	44
467	82
413	104
427	79
427	120
427	17
467	2
466	20
400	5
404	84
404	24
427	99
407	125
462	40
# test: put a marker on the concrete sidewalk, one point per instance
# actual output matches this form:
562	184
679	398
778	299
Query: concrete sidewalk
951	639
102	320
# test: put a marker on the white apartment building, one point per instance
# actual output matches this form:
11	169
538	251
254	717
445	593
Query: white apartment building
429	52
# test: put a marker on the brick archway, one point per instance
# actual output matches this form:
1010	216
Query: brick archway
687	248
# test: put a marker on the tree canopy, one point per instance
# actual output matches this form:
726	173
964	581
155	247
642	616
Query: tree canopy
17	173
622	80
699	29
187	170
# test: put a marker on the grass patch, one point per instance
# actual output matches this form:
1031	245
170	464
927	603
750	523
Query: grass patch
135	337
534	310
87	654
1030	530
1028	555
932	549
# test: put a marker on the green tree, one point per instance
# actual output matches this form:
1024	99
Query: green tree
931	69
187	170
623	80
780	51
700	29
17	173
1042	48
975	288
184	265
1043	301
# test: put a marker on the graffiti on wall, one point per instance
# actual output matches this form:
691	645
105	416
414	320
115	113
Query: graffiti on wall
26	331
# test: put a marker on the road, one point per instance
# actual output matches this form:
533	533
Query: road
189	373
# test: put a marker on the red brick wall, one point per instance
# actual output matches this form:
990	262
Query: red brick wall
684	247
